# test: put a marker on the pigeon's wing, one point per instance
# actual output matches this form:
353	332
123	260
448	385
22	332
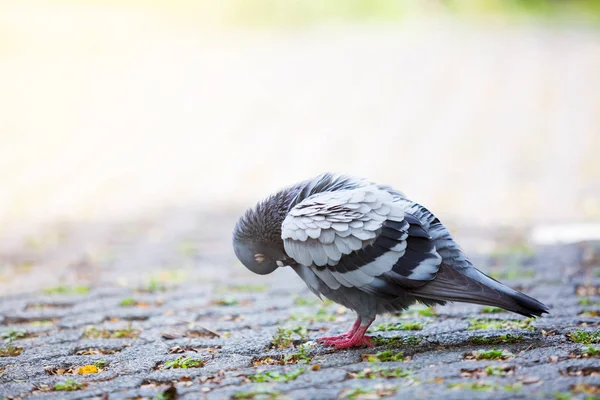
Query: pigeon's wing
360	238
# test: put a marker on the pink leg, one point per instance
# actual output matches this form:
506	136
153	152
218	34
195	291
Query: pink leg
342	336
357	339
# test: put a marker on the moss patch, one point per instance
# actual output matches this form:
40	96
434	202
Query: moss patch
377	373
320	316
483	386
368	393
584	337
69	385
183	362
128	302
260	393
492	354
13	334
490	370
494	340
275	376
95	351
96	333
385	356
398	326
243	288
287	337
490	324
397	341
491	310
67	290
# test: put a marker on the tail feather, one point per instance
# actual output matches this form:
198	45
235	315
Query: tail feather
473	286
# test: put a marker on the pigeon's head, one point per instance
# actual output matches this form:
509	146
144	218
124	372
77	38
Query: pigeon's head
257	239
259	258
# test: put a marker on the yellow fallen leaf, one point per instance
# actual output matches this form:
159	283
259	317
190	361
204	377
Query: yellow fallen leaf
87	369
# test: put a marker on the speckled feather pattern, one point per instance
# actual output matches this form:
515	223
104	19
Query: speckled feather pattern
367	247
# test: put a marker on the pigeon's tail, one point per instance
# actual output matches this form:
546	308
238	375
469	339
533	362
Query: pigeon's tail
473	286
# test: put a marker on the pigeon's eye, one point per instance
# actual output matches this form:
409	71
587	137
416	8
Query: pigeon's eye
259	258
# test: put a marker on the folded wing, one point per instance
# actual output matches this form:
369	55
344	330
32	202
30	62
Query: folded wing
361	238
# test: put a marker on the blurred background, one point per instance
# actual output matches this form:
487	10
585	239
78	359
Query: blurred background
134	132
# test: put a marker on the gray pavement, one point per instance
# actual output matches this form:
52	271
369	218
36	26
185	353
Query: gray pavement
253	337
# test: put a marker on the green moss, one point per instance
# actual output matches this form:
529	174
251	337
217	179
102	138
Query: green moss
42	322
397	326
387	356
95	333
491	310
303	301
591	351
584	337
100	364
368	393
67	290
489	324
492	354
376	373
244	288
427	312
285	337
184	362
496	370
418	309
483	386
154	285
226	301
13	334
69	385
321	316
494	340
169	394
128	302
397	341
274	376
260	393
586	301
301	357
561	396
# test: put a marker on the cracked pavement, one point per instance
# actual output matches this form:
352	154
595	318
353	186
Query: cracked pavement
210	308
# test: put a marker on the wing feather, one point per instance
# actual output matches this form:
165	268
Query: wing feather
360	238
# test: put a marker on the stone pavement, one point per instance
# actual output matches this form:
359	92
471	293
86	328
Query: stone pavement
200	326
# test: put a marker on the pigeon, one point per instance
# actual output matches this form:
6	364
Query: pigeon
367	247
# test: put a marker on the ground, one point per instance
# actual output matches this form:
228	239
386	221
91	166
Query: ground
161	291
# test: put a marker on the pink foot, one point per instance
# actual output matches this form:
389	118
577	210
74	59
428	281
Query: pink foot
357	339
327	340
330	340
353	342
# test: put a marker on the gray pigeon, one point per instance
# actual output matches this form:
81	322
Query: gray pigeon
367	247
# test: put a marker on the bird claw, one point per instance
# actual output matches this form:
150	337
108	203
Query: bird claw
341	342
331	339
